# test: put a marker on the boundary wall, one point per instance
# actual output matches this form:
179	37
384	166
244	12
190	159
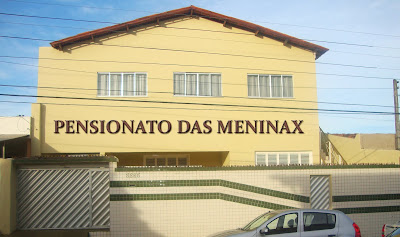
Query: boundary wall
198	201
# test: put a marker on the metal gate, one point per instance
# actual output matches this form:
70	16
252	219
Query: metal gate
320	192
63	199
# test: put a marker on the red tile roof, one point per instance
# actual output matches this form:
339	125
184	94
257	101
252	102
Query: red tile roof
193	11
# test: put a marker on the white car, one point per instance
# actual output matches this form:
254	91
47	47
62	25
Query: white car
296	223
387	229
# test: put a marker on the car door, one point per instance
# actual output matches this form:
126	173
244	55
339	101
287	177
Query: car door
283	225
319	224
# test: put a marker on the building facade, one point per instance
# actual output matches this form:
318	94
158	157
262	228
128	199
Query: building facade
367	148
184	87
189	88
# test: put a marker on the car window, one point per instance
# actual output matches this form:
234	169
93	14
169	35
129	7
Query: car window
395	233
259	220
319	221
283	224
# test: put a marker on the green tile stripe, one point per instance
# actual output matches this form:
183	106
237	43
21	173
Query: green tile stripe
369	197
197	196
211	182
359	210
278	167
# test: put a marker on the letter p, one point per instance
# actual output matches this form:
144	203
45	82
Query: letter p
58	124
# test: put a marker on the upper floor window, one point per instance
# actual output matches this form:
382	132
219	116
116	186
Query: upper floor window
270	86
197	84
122	84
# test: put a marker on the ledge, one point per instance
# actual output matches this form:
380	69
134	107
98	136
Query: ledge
64	159
233	168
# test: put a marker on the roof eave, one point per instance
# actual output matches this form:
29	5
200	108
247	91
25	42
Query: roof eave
191	11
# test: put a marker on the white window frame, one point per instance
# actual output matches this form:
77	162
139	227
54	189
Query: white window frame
122	84
197	83
266	153
270	85
166	156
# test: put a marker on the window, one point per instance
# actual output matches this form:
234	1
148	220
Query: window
319	221
270	86
115	84
283	224
283	158
166	160
197	84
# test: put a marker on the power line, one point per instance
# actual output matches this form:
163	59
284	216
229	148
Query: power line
155	107
31	24
79	71
183	28
202	104
364	54
211	53
56	18
267	22
180	36
193	65
173	108
159	92
347	117
195	109
222	83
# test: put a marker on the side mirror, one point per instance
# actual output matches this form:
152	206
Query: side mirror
264	231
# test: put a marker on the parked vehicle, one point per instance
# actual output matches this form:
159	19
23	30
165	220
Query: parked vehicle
388	229
296	223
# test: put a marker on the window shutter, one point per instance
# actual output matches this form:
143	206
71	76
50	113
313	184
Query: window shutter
182	162
161	162
150	162
128	82
115	85
141	84
287	86
283	158
260	159
294	159
272	159
216	85
265	86
191	84
171	161
102	85
252	82
276	83
204	85
179	84
305	158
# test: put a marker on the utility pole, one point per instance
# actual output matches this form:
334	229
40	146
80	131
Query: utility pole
396	113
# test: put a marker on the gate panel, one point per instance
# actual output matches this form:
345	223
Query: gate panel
320	196
62	199
100	199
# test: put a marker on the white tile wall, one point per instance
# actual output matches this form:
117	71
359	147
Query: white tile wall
203	217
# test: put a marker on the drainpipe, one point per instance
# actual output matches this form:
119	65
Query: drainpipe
330	152
4	150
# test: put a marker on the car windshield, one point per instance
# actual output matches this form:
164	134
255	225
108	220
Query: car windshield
394	233
259	221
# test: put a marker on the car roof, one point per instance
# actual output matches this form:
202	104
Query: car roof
309	210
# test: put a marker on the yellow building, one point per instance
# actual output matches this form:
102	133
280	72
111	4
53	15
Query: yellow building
184	87
366	148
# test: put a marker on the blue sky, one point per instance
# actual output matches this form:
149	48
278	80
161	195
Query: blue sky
379	17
